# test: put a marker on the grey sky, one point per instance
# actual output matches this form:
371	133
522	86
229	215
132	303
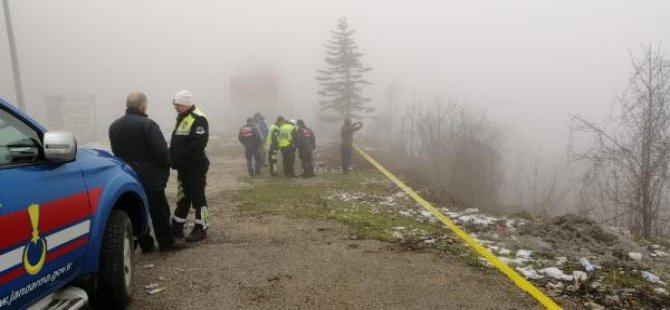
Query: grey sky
529	63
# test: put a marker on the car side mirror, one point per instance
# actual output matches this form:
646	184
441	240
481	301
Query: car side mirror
60	147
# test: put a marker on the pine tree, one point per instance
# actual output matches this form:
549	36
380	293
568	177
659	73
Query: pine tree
342	80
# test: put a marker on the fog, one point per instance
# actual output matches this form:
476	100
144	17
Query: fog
528	64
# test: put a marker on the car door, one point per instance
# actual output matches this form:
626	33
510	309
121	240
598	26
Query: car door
44	215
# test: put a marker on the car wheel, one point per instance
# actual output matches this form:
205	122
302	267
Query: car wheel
116	275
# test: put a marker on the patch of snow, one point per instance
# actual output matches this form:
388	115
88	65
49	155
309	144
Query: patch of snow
556	273
399	195
504	251
661	291
477	219
560	261
528	272
405	213
635	256
579	276
426	214
513	261
523	253
659	254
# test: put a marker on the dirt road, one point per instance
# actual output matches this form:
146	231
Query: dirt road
275	262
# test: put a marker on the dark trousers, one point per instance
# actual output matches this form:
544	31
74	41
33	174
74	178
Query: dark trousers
307	162
288	159
347	153
272	160
160	217
191	193
253	156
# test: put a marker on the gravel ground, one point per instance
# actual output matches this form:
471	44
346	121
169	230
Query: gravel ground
275	262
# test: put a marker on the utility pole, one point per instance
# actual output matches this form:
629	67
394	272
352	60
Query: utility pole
15	59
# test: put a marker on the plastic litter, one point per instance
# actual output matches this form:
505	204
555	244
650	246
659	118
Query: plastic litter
148	266
588	267
151	286
651	278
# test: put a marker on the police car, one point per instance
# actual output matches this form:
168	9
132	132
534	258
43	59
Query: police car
68	219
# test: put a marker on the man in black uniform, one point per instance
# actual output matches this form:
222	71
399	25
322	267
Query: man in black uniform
306	143
187	148
139	141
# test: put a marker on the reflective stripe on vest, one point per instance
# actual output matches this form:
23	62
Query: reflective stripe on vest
184	128
285	138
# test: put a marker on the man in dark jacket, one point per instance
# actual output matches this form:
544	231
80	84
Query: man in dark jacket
187	148
306	143
262	127
139	141
251	139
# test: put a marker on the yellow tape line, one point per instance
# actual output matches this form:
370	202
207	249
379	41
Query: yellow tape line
492	259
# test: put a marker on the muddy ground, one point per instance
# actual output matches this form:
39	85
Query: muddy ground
275	262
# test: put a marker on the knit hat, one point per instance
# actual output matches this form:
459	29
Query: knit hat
183	97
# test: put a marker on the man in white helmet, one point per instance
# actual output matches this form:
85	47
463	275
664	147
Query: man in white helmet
187	149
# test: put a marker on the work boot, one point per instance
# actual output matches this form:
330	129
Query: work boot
177	245
177	230
197	234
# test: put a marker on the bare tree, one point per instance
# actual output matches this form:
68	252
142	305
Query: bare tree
629	156
455	148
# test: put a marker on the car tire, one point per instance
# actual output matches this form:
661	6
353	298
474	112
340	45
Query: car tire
116	275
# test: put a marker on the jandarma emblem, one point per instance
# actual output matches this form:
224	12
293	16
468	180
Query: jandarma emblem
35	252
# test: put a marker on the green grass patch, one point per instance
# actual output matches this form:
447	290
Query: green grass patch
618	279
349	199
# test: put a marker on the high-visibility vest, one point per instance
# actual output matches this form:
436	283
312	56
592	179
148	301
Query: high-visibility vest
268	139
285	138
184	128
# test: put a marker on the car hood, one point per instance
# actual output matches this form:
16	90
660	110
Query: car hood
91	160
